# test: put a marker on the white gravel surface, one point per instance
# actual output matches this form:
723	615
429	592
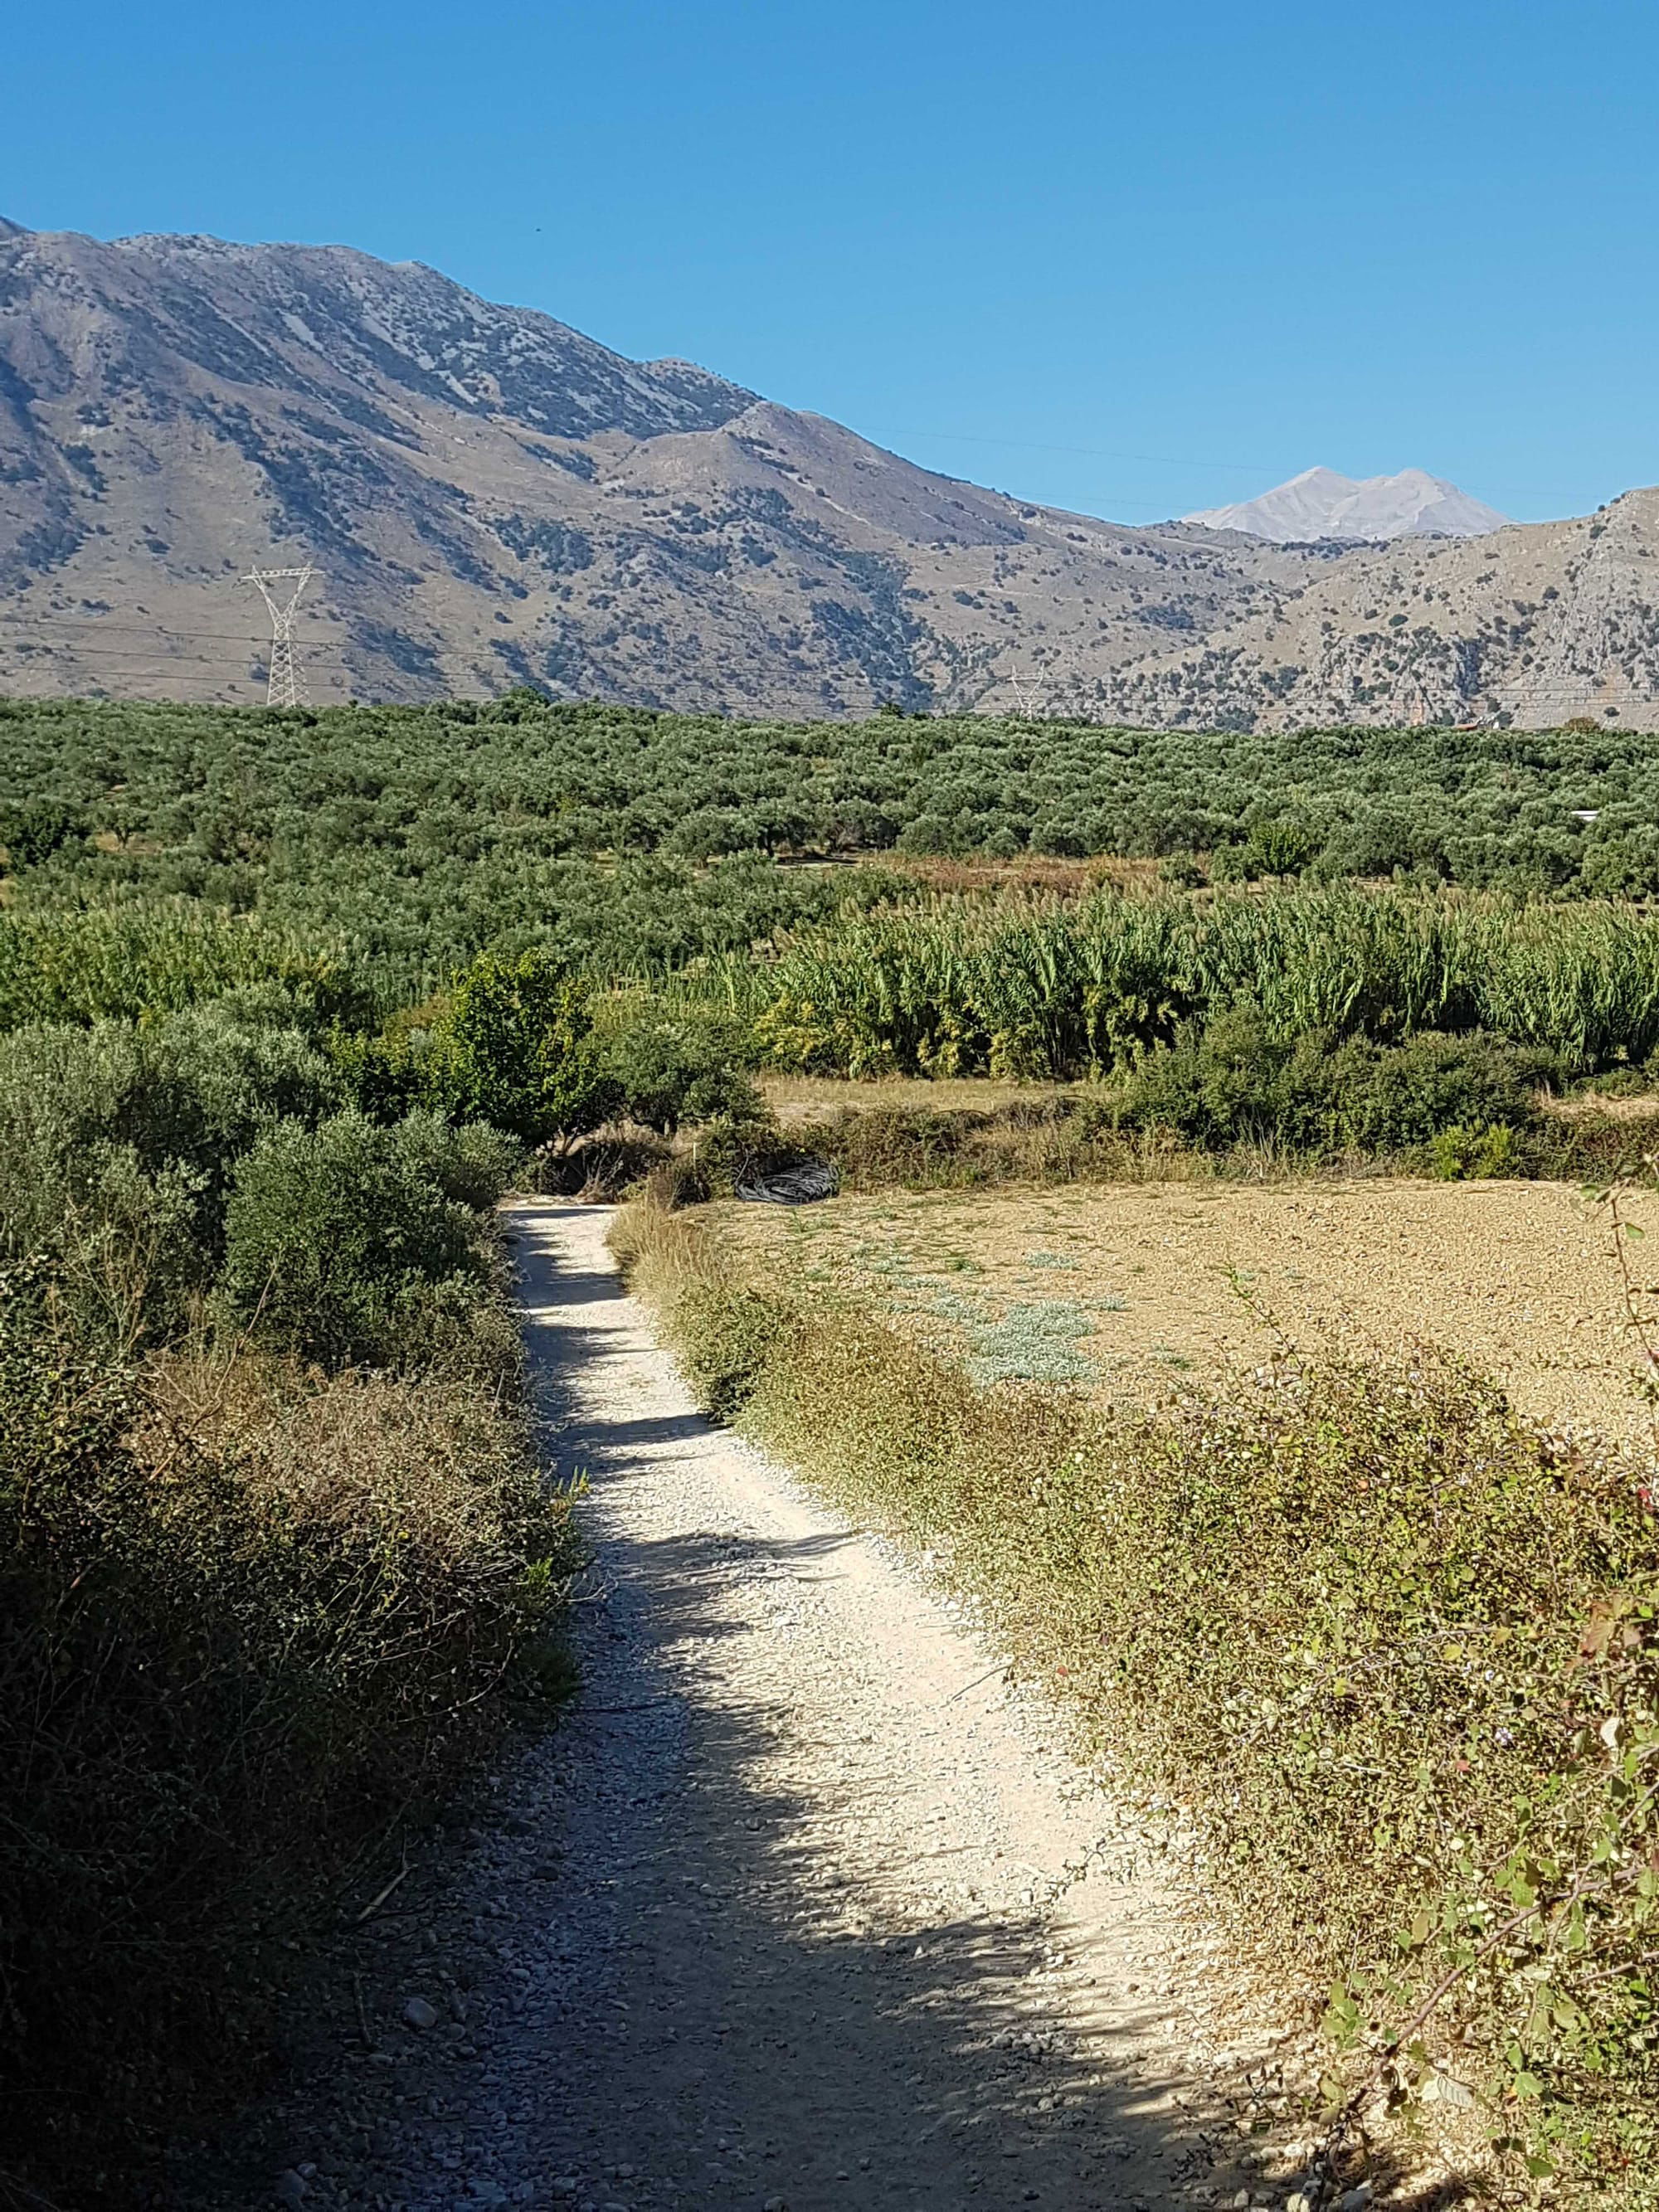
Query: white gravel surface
801	1905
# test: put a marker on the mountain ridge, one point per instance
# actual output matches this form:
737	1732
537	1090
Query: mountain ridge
493	498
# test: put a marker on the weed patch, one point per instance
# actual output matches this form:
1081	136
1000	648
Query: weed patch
249	1616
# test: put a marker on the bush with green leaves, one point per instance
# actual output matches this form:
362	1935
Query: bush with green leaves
1432	1082
340	1237
117	1142
1276	846
1239	1080
673	1064
513	1045
472	1162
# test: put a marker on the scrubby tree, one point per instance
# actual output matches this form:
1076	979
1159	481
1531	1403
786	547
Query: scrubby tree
338	1237
674	1068
513	1046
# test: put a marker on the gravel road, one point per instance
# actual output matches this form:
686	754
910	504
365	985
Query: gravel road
801	1906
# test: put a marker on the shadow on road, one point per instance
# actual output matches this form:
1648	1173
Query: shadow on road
685	1973
852	2057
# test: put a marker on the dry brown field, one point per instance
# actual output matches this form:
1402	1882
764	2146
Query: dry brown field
1126	1291
799	1098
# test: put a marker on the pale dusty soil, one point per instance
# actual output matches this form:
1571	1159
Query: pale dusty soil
1520	1278
802	1906
795	1099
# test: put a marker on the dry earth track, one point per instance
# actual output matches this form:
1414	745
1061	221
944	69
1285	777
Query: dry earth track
801	1906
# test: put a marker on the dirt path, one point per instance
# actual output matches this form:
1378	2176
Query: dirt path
799	1908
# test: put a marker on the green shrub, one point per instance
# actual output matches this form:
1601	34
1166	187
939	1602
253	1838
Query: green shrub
116	1146
680	1065
1431	1083
513	1045
1473	1152
1282	848
131	1254
336	1237
473	1164
385	1074
1238	1080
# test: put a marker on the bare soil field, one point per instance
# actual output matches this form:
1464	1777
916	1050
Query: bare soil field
800	1098
1126	1290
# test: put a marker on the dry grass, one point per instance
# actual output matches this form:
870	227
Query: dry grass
1388	1645
1590	1108
251	1617
1141	1285
801	1098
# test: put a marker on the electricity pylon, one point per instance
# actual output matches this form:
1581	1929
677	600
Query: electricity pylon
285	687
1029	702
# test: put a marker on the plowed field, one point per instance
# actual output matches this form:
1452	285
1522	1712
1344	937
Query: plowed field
1124	1291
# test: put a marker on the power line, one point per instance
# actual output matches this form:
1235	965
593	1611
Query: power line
137	629
135	652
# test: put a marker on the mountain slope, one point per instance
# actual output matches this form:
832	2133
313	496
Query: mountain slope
493	498
1532	625
1321	504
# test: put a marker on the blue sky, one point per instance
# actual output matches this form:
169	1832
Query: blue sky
1129	259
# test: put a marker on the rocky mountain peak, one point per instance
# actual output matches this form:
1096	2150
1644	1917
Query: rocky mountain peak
1321	503
494	498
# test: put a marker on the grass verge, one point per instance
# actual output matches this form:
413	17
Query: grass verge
1072	1139
1393	1648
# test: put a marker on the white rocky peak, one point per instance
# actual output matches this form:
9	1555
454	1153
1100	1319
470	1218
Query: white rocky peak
1321	503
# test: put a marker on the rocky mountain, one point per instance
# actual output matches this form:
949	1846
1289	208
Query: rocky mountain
491	498
1532	625
1321	504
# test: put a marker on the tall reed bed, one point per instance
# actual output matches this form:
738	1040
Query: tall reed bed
133	959
1037	987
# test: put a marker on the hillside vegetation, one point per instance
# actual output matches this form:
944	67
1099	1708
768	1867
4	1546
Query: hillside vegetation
276	1560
